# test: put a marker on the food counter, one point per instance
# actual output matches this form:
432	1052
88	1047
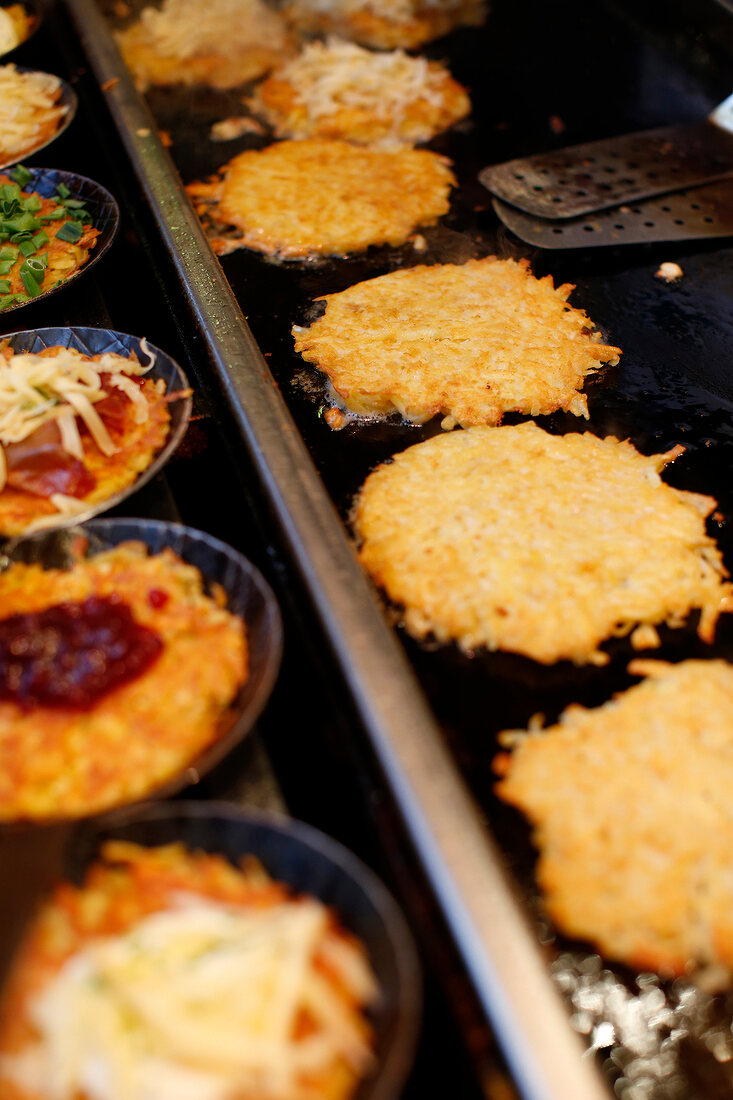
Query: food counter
389	743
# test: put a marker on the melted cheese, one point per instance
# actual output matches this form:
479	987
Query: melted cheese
198	1002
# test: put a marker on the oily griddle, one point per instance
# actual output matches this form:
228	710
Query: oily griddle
540	82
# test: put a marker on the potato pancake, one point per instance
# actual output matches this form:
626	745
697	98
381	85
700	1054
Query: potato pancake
43	240
172	973
631	810
66	762
338	90
220	43
545	545
468	342
55	458
297	199
385	24
30	112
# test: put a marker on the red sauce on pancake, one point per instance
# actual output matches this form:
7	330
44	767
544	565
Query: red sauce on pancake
71	654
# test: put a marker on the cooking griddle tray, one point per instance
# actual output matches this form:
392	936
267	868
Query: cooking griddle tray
599	174
684	215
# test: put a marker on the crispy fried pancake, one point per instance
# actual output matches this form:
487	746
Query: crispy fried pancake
468	342
338	90
297	199
385	24
265	985
221	43
56	762
544	545
631	808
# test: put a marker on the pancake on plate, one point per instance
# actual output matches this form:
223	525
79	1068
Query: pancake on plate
631	810
114	675
385	24
75	430
539	544
171	973
300	199
43	241
30	112
220	43
468	342
339	90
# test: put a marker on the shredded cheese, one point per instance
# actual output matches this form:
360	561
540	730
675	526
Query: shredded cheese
189	28
327	77
199	1002
29	111
36	389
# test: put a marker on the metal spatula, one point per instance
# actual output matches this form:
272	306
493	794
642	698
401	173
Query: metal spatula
684	215
600	174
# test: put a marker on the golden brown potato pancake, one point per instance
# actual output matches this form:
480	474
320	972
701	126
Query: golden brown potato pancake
468	342
297	199
266	985
545	545
57	762
339	90
385	24
220	43
630	806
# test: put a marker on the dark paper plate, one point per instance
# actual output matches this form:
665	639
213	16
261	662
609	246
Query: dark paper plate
309	862
248	595
104	211
66	99
96	341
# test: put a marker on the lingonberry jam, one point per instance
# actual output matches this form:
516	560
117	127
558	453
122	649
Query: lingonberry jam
71	654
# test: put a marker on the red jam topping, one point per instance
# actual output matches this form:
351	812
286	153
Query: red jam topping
72	654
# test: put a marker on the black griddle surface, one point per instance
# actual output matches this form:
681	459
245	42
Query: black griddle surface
544	76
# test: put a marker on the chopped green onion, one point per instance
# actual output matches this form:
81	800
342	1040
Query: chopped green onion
21	175
8	253
32	273
4	286
62	191
40	238
6	266
73	204
70	231
33	204
42	258
54	215
27	247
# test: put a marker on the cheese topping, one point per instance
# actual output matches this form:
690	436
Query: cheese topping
28	107
35	389
9	32
182	28
199	1002
340	74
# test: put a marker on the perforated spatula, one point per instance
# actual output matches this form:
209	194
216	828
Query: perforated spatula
599	174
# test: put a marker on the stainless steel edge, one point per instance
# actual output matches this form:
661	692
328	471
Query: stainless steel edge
465	870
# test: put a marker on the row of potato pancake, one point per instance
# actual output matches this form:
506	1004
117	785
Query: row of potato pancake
512	538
